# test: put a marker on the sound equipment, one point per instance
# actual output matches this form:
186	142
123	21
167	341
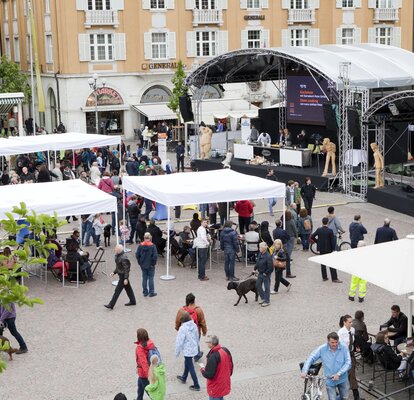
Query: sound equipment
186	108
354	122
330	117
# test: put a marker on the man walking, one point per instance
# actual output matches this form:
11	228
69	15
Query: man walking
272	200
264	266
356	231
179	152
8	319
336	362
146	255
229	243
218	370
201	244
307	192
385	233
326	243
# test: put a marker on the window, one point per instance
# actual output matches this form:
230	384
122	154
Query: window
253	3
205	4
299	37
157	4
159	45
49	48
6	11
348	36
384	4
101	47
14	9
299	4
47	6
254	39
384	35
7	42
99	4
206	44
348	4
16	46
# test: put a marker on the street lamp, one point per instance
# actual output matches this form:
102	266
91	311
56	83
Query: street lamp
94	85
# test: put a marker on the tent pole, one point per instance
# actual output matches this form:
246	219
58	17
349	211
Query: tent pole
284	219
116	227
123	210
48	160
410	317
168	277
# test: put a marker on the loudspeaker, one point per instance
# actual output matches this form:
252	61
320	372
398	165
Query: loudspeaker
186	109
354	122
330	117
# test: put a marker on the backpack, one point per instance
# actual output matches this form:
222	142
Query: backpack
153	351
307	226
193	314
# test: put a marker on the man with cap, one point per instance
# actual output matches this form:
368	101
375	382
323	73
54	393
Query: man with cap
218	370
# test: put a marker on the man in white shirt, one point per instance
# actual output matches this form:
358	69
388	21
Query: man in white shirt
201	244
264	139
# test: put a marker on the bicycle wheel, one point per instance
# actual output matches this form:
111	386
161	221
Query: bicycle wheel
313	248
344	246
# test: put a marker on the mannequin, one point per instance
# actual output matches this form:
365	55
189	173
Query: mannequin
379	166
329	148
205	142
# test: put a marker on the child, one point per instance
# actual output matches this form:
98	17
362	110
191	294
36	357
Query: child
156	375
124	232
98	225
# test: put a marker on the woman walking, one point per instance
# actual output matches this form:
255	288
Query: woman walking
187	343
279	262
122	268
305	227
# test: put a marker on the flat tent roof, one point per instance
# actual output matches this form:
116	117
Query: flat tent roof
55	142
155	112
202	187
72	197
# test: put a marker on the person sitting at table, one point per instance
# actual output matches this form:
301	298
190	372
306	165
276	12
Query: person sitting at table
397	324
281	137
288	137
252	243
83	259
10	262
386	355
264	139
195	223
73	241
265	234
362	337
156	234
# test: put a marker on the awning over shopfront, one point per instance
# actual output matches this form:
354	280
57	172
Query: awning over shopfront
155	112
9	100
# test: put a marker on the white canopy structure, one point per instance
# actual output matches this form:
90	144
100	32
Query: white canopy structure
202	187
55	142
387	265
72	197
198	188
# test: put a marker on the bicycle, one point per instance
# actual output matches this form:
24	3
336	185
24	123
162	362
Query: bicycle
313	383
341	245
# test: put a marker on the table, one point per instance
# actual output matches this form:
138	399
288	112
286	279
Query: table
296	157
269	153
243	151
405	349
356	156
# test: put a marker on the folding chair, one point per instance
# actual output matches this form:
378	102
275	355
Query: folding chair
381	370
75	275
250	252
97	259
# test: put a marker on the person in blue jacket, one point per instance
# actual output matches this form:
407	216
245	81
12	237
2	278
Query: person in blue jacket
356	231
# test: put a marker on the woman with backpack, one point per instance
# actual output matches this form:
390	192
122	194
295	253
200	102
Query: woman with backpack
305	227
187	343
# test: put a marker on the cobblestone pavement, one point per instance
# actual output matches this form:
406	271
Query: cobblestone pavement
80	350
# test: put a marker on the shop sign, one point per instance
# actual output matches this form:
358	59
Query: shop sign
167	65
254	17
106	97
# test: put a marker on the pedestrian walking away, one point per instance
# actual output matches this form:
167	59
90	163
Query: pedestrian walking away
122	269
358	283
146	255
8	320
229	243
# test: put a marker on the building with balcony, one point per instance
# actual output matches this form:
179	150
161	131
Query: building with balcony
136	44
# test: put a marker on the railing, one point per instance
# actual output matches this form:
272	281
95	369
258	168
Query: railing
207	17
386	14
304	15
101	17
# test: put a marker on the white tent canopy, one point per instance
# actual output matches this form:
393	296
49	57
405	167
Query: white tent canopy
202	187
387	265
55	142
72	197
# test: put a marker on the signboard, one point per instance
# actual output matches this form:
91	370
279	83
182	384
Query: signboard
162	148
245	129
156	94
106	97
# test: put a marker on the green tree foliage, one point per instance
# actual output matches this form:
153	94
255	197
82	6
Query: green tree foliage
180	89
32	251
12	79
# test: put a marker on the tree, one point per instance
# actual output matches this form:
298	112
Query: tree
12	79
180	89
34	250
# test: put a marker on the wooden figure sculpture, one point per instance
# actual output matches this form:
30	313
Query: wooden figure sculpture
205	142
329	148
379	166
226	162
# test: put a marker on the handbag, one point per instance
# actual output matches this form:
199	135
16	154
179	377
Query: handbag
279	264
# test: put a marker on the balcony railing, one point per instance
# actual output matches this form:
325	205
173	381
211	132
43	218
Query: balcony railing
303	15
101	17
201	17
386	14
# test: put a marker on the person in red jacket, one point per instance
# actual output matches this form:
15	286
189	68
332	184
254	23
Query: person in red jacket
245	209
144	345
218	370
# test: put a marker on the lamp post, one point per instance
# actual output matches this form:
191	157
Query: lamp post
94	85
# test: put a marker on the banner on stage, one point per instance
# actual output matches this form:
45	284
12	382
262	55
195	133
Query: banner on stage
245	129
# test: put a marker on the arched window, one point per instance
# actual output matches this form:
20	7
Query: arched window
53	109
156	94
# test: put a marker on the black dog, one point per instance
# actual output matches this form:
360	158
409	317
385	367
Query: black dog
244	287
107	235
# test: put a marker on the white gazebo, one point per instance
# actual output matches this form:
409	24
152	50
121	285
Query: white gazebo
7	103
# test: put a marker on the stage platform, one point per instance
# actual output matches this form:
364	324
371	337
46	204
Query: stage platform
393	198
283	173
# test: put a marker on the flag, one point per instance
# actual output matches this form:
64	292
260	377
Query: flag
40	96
